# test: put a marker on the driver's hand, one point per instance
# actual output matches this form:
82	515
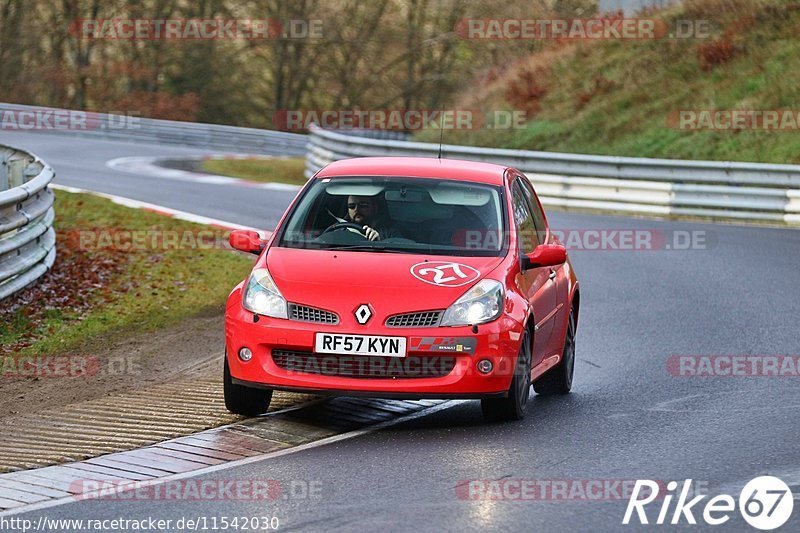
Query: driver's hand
371	234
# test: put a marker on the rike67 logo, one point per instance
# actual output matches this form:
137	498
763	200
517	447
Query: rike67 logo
766	503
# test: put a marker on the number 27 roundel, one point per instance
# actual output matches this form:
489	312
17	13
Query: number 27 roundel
444	273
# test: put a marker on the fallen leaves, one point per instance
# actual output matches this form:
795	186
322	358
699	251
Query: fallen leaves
78	280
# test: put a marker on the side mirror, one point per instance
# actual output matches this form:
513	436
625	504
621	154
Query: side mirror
545	255
246	241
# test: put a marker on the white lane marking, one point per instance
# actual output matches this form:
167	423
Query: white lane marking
161	210
148	166
248	460
713	402
790	476
667	404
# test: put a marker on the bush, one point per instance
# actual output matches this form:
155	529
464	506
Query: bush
715	53
525	93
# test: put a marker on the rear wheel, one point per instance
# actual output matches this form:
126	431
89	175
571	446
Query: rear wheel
559	379
243	400
515	406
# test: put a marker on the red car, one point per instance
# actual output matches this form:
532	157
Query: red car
405	278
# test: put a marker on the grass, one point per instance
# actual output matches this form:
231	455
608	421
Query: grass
144	290
616	97
279	170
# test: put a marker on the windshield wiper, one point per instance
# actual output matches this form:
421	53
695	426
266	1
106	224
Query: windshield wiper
366	248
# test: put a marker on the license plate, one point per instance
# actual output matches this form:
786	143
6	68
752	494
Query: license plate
360	345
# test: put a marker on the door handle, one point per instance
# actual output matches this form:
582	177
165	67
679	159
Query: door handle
552	273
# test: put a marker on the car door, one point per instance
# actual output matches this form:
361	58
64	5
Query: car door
537	284
557	273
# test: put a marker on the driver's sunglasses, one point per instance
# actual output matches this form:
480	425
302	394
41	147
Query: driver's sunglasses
362	205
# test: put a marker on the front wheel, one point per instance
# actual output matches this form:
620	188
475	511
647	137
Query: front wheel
242	400
515	406
558	380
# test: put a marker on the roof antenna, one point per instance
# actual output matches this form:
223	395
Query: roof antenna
441	131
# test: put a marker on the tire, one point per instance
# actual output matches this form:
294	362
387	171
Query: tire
515	405
559	379
242	400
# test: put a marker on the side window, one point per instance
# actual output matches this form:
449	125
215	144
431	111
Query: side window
536	210
526	230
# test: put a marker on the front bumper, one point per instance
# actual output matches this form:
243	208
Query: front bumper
497	341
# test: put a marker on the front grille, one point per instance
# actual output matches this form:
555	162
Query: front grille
364	366
425	319
304	313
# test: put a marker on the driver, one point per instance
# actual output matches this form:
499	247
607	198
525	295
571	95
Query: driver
365	211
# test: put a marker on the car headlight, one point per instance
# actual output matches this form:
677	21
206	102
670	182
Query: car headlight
261	295
482	303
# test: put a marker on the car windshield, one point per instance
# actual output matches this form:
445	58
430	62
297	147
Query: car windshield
403	215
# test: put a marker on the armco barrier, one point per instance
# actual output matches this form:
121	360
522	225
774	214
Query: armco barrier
134	128
719	190
27	239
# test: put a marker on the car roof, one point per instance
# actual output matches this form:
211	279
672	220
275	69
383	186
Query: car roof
416	167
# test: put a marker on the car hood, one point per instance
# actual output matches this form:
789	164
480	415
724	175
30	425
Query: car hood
390	283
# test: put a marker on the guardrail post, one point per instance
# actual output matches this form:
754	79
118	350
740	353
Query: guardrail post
3	172
15	170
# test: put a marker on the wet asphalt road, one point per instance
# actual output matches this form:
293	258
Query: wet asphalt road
81	162
628	417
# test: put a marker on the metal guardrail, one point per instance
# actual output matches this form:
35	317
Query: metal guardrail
127	128
718	190
27	238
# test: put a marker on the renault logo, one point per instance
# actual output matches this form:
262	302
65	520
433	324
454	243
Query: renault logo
363	314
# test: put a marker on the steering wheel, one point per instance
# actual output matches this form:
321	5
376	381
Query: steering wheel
344	225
